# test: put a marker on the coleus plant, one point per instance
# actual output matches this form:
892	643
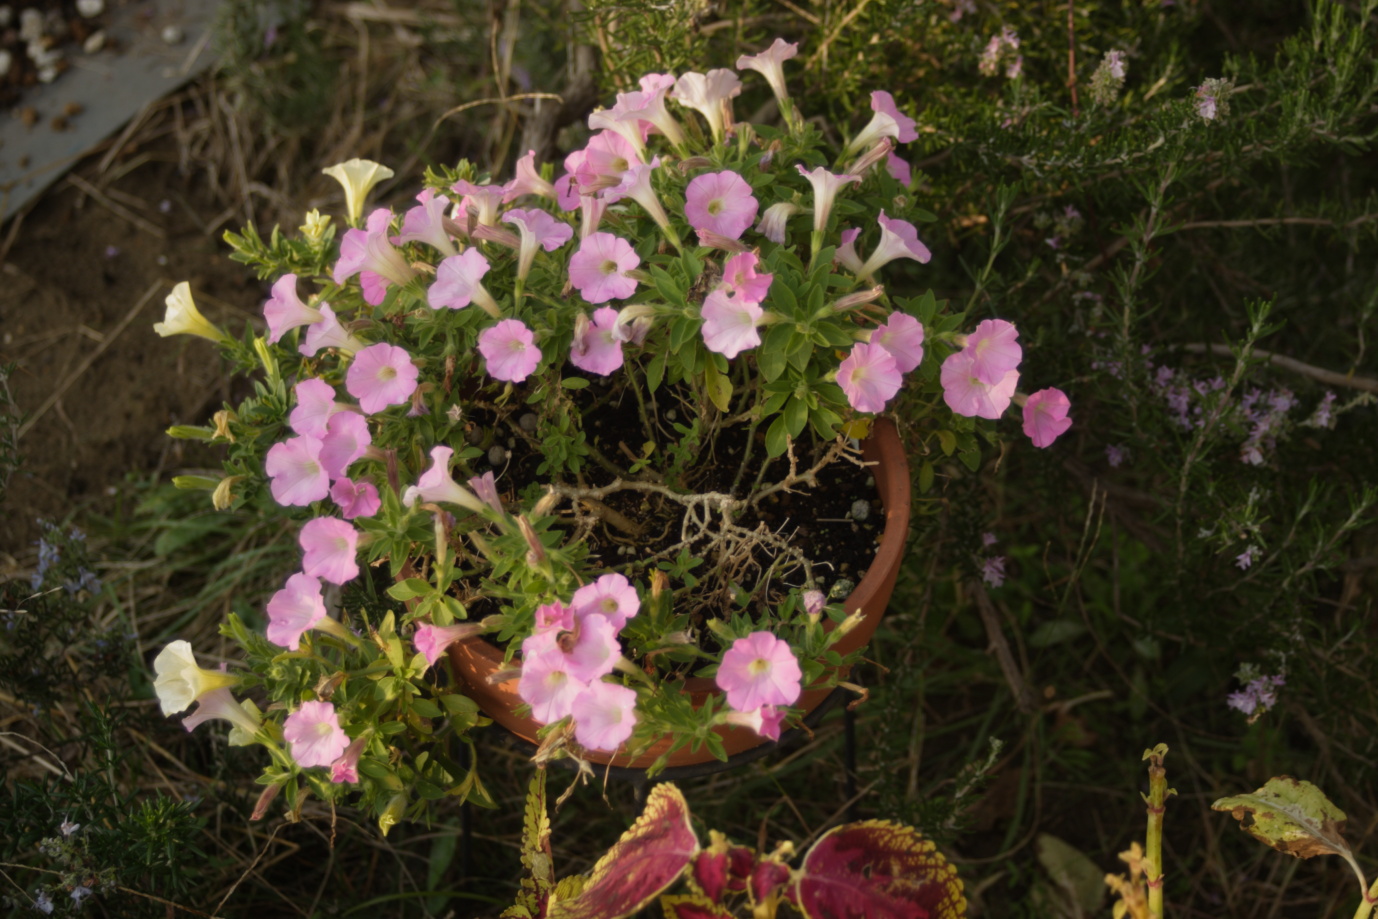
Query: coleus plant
718	279
873	868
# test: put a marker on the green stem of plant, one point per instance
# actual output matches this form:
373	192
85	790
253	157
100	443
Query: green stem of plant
1153	844
1366	904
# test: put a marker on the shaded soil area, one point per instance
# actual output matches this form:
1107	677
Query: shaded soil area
82	280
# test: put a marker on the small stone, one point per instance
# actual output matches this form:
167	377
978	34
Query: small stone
47	75
671	414
528	422
473	435
89	9
173	35
497	455
6	59
162	260
72	109
861	509
29	116
94	43
30	25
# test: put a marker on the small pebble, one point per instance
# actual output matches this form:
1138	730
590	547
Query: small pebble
473	435
47	74
162	260
165	206
497	455
30	25
112	251
861	509
173	35
671	414
90	8
6	16
528	422
94	42
72	109
6	59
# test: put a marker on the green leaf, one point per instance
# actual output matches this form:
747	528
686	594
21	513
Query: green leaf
1080	879
783	299
574	383
971	459
777	437
1292	816
670	290
770	356
1055	632
410	589
796	416
655	371
426	708
948	440
719	386
925	477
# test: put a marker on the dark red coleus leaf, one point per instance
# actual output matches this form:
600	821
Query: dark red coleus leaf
722	867
768	879
647	859
877	870
693	906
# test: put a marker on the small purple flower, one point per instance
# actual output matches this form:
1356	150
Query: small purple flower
1257	697
1116	455
1247	557
993	570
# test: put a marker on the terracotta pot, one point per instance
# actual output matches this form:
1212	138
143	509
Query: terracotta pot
476	661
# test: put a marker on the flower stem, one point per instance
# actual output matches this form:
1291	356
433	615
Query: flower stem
1366	904
1157	804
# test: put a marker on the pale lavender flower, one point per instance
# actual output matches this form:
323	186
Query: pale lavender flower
993	570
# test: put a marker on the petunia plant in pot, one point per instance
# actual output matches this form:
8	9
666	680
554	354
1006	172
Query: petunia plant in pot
615	442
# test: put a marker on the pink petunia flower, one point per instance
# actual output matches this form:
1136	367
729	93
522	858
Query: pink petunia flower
345	768
297	474
740	277
284	309
888	121
721	202
328	333
590	649
595	347
355	498
611	596
487	490
546	684
220	704
898	239
994	350
480	201
432	640
765	720
598	269
604	716
869	377
846	252
315	404
314	735
729	323
295	610
710	95
757	670
346	439
636	184
370	254
436	486
539	230
381	375
425	223
826	185
775	219
599	166
967	394
770	64
1045	416
527	181
509	351
330	545
901	335
459	282
814	601
899	169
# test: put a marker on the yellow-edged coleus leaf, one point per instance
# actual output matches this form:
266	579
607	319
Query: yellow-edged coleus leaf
693	906
877	870
647	859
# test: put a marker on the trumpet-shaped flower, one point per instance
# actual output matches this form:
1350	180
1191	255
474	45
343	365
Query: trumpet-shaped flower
765	720
869	377
432	640
708	94
626	119
650	106
481	201
773	222
345	769
355	498
590	649
546	684
436	486
600	165
636	184
740	277
898	239
295	610
759	669
487	490
179	682
183	318
604	716
346	439
599	269
967	394
1045	416
902	336
770	64
284	309
220	704
315	405
330	545
509	351
888	121
596	347
612	596
729	323
370	254
328	333
425	223
899	169
297	474
381	375
826	185
314	735
994	350
358	178
846	252
459	282
539	230
527	181
721	202
554	617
